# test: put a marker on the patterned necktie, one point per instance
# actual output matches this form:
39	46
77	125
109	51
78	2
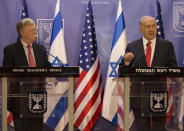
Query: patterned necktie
148	54
31	59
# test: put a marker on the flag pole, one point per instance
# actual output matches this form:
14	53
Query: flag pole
4	103
71	103
127	104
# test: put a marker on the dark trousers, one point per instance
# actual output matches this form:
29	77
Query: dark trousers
28	124
143	122
140	90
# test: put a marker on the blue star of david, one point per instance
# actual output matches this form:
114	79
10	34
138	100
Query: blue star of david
56	62
114	65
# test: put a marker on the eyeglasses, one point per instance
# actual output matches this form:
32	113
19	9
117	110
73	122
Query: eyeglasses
30	30
149	26
33	30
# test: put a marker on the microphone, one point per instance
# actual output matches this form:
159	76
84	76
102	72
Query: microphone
146	47
141	55
55	57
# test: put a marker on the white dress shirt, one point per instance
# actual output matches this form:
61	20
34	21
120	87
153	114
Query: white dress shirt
26	50
153	43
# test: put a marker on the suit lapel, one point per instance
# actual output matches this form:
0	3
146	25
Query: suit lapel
156	53
143	57
21	54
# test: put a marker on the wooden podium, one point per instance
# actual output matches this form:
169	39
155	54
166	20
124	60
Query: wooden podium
65	72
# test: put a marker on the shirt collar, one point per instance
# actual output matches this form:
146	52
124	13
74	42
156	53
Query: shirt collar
24	43
145	41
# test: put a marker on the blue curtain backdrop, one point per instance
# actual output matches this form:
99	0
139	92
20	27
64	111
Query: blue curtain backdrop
104	11
73	15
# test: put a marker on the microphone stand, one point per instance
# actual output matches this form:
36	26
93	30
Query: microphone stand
57	59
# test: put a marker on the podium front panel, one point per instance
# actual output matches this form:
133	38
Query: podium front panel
156	101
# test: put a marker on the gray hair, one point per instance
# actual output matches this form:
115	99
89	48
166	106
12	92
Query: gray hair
23	23
145	17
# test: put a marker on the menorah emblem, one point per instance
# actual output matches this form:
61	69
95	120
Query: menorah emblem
37	102
37	98
158	101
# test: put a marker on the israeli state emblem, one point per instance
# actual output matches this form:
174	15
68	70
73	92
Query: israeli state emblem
178	16
44	32
158	101
37	102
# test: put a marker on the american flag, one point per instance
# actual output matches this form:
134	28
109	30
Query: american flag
160	31
88	86
24	10
24	14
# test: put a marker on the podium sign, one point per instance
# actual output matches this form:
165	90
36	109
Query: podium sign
153	93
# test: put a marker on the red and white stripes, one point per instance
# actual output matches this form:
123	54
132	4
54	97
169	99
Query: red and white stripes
88	97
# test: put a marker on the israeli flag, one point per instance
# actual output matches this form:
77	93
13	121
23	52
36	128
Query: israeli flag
57	52
109	109
56	116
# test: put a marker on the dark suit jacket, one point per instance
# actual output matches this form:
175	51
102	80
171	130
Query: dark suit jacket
164	56
14	56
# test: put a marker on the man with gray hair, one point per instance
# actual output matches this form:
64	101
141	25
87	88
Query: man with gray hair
148	51
16	54
25	53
